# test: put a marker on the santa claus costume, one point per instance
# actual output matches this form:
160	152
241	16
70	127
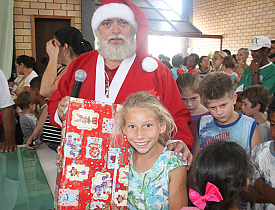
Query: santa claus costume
139	72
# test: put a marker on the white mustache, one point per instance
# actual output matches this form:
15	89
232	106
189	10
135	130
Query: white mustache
119	36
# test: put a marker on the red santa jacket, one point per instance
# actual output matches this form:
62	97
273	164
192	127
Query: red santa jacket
160	81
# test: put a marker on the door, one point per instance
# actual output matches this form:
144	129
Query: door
43	30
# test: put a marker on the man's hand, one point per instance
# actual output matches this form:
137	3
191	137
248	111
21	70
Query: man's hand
254	66
113	205
8	146
61	106
9	129
178	147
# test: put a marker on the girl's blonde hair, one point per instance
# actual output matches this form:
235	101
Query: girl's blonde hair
221	54
188	81
148	101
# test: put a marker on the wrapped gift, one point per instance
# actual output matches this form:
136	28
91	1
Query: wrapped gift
94	161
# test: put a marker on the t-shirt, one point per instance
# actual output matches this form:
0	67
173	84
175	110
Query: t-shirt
265	131
29	78
233	77
27	123
193	125
266	78
176	71
149	190
5	96
263	156
240	131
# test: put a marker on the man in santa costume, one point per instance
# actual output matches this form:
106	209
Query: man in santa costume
122	66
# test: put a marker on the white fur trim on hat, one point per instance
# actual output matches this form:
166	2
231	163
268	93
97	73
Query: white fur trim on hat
149	64
113	10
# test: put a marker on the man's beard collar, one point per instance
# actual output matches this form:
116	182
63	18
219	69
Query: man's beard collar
122	52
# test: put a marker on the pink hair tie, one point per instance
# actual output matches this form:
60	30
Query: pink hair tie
212	193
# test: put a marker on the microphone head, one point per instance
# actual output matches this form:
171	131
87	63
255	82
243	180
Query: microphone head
80	75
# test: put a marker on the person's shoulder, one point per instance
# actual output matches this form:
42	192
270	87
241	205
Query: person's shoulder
246	118
86	56
206	118
172	159
263	148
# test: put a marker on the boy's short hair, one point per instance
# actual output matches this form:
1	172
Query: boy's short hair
36	83
271	108
215	86
177	60
229	62
257	94
24	100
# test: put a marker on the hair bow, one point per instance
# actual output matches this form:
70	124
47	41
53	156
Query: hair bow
212	193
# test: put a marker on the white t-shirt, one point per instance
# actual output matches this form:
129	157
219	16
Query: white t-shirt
5	96
263	156
29	78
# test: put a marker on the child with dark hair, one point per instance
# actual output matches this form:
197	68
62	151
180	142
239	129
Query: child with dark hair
204	66
229	64
192	61
255	100
27	119
35	95
264	158
221	171
27	69
224	124
239	104
177	62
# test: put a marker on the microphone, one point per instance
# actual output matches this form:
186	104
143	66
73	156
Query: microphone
80	76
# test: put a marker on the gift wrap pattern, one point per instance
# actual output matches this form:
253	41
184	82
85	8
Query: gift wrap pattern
94	162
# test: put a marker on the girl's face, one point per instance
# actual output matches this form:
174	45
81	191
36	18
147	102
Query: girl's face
217	61
142	129
19	68
191	100
241	57
191	62
205	63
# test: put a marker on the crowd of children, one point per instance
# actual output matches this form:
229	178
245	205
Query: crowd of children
222	138
234	150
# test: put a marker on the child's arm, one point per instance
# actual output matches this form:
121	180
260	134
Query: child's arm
196	148
256	138
266	190
236	83
177	188
38	130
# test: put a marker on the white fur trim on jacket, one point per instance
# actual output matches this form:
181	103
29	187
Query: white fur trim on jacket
113	10
149	64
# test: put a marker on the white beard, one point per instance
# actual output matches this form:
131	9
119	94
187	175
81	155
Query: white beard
119	53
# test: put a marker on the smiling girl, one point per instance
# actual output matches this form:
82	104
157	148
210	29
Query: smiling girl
156	175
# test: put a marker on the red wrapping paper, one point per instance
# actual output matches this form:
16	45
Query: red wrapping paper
94	161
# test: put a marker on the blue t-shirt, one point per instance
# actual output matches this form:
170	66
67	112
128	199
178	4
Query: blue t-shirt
240	131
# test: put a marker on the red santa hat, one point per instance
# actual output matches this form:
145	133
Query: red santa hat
126	10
